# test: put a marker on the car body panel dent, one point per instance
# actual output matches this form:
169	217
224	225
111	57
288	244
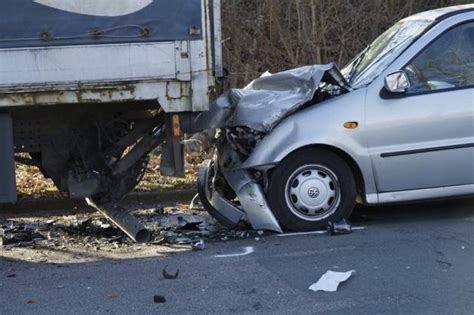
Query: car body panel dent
266	101
321	124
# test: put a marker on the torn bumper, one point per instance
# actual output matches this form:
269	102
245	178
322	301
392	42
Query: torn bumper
252	206
219	207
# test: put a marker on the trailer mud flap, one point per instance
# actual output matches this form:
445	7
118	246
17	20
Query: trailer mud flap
7	161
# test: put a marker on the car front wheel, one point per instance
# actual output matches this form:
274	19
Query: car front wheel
310	188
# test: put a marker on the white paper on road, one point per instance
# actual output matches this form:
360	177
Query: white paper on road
330	281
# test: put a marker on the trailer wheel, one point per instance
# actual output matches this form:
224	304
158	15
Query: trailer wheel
310	188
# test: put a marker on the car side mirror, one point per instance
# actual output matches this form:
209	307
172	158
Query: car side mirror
397	82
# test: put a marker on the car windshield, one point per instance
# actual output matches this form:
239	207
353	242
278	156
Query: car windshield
374	59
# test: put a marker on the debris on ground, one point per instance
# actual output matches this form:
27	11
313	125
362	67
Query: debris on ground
199	245
159	299
195	203
86	236
170	276
19	235
122	219
340	228
329	282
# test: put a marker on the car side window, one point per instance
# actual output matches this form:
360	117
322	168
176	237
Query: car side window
447	63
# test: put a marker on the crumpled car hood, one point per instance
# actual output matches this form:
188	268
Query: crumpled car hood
267	100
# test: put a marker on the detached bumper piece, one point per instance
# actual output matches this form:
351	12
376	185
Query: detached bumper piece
252	206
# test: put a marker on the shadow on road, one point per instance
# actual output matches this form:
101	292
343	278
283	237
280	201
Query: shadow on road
420	211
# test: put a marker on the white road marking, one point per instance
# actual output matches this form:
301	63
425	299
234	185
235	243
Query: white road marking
355	228
246	251
308	253
109	8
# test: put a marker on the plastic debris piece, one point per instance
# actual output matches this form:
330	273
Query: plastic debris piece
199	245
195	203
159	299
329	282
340	228
182	240
168	275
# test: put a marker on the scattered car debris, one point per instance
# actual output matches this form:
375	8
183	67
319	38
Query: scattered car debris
80	236
195	203
340	228
170	276
159	299
120	217
199	245
329	282
12	235
85	232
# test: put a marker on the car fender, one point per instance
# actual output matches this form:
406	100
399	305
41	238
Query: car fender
321	124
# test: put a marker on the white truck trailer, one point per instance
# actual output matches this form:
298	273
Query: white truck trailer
89	88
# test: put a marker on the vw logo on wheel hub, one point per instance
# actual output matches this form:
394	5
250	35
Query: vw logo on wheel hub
313	192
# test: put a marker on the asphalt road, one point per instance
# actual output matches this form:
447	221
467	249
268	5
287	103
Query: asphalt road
416	259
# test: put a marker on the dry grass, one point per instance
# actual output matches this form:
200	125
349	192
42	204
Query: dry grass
154	181
261	35
30	181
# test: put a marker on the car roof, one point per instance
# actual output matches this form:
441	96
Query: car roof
438	14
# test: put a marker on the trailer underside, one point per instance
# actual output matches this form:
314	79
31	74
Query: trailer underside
91	151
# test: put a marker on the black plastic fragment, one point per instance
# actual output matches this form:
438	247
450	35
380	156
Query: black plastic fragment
159	299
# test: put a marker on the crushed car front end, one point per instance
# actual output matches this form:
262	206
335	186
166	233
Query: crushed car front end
237	195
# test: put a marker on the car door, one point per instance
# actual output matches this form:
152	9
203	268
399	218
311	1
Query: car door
424	138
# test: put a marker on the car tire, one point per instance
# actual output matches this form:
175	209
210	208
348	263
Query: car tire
311	187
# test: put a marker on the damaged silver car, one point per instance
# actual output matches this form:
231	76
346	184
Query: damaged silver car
297	149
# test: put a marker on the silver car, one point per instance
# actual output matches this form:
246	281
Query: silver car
297	149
